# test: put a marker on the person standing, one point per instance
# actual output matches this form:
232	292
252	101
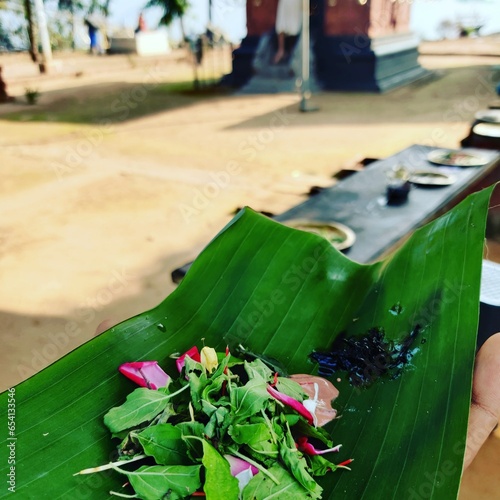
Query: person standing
288	23
141	24
93	36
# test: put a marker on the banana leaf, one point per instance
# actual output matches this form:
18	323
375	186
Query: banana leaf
284	293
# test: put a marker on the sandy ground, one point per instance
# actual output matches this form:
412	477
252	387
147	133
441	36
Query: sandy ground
94	216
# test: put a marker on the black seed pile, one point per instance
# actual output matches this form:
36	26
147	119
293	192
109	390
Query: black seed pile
368	357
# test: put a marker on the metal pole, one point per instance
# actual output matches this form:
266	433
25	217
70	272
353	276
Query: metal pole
305	43
44	33
305	92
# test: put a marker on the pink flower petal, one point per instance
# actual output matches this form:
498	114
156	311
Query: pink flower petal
193	353
238	465
145	373
292	403
305	447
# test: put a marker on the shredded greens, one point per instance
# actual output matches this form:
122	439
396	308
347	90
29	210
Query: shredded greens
231	429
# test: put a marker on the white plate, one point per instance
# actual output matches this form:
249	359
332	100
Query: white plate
488	115
340	236
431	178
456	158
487	130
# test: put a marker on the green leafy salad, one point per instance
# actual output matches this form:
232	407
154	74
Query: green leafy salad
226	428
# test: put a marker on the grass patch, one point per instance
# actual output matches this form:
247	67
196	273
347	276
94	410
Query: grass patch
126	102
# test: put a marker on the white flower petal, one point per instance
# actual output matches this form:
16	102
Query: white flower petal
244	478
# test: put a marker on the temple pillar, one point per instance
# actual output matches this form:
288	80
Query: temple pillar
367	46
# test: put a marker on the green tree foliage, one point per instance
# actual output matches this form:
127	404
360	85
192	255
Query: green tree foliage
100	6
70	5
73	6
4	37
12	5
25	8
172	9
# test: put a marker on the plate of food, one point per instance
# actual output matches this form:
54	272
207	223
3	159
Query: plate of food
339	235
453	158
431	178
488	115
487	130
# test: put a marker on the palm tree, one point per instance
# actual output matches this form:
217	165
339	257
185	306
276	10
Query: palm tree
32	31
4	38
77	5
24	7
71	6
101	6
172	9
74	6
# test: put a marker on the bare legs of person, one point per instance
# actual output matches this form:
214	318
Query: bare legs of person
280	53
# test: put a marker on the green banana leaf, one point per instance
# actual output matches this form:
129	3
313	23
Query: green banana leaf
285	293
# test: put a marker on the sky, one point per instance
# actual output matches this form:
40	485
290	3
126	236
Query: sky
426	15
227	15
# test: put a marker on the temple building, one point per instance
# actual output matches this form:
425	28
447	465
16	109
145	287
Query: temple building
356	45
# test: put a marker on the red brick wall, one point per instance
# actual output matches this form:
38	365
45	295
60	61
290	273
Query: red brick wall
261	16
346	17
342	17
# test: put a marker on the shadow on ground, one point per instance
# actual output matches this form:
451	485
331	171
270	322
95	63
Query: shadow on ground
115	102
447	95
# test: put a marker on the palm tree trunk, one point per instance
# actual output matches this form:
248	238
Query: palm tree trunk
183	31
73	27
32	35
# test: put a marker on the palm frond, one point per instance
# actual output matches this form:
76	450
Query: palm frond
172	9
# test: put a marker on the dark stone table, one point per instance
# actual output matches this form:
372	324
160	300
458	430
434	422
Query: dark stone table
360	203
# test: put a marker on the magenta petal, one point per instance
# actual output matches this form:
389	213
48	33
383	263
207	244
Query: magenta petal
145	373
292	403
237	465
193	353
305	447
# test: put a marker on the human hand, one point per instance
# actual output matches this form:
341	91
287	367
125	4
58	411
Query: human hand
485	406
103	326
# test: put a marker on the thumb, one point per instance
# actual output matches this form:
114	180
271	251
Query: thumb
104	325
485	405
